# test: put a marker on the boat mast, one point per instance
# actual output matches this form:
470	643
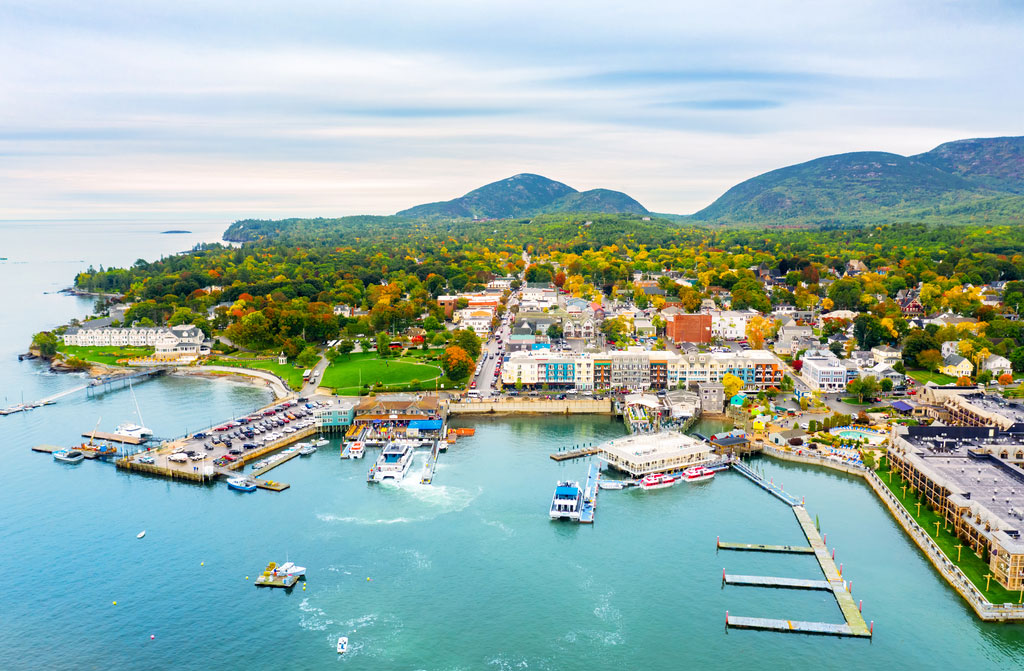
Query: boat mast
138	412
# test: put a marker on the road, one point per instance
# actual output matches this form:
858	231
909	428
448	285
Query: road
309	388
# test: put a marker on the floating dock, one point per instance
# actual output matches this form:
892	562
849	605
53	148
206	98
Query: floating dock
577	453
789	626
759	547
48	449
590	495
278	462
784	583
272	485
768	486
269	579
114	438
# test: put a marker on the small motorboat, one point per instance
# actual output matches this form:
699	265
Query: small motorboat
611	484
141	534
68	456
342	644
322	442
241	484
306	451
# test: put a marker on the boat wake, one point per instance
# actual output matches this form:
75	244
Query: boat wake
436	500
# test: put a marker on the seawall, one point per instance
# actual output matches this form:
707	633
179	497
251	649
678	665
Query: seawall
532	406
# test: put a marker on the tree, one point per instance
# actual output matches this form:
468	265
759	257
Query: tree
1016	358
930	359
456	363
46	343
845	294
555	331
469	342
332	355
984	377
868	331
886	384
438	340
964	381
1005	379
733	385
383	344
861	387
308	357
431	323
757	328
915	342
346	347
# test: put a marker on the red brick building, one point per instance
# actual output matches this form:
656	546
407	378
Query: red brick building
689	328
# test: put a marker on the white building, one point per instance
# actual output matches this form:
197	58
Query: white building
162	337
730	324
997	365
479	319
823	371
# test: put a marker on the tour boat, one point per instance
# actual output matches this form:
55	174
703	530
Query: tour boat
241	484
342	644
131	430
567	501
68	456
356	451
698	474
393	463
658	481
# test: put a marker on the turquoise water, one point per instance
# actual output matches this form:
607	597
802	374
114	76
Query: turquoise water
468	573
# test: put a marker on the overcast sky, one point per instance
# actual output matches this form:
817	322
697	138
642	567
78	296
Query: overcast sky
220	110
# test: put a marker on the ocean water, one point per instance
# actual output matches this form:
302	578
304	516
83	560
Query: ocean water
467	573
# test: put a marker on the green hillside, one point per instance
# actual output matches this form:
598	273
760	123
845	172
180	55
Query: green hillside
525	195
997	162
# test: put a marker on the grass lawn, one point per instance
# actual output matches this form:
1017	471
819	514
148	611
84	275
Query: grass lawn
394	373
287	372
973	567
853	400
924	376
105	355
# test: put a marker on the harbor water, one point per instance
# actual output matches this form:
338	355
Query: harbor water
466	573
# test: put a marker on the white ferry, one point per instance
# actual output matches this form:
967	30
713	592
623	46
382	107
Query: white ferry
698	474
356	451
393	463
658	481
567	501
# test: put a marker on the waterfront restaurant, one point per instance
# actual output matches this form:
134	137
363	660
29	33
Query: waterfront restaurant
643	454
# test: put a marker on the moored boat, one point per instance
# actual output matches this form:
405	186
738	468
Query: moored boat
308	450
241	484
567	501
68	456
698	474
323	442
342	644
288	568
356	450
658	481
612	484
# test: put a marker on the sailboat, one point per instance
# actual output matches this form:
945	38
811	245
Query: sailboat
130	429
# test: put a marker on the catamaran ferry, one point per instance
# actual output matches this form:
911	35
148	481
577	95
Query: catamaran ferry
658	481
567	501
393	463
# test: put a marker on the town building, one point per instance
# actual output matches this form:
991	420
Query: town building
643	454
185	341
680	328
884	354
823	371
955	365
962	472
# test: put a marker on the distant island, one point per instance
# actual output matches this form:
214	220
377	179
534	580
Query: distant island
174	231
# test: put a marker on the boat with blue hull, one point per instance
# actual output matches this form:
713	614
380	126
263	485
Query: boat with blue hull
241	484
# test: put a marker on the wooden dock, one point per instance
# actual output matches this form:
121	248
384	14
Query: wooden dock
113	438
269	467
48	449
272	485
578	453
788	626
766	581
759	547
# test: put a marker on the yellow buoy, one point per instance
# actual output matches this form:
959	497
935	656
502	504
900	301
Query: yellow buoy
367	580
246	577
115	603
202	563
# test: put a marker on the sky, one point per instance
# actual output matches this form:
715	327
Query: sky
207	110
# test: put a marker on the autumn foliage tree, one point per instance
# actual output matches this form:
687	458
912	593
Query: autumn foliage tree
456	363
1005	378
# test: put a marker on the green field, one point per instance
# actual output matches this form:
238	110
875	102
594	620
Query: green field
971	564
924	376
104	355
287	372
395	374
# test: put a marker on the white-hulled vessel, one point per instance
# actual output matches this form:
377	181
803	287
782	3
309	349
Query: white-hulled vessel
658	481
130	429
68	456
567	501
393	463
697	474
342	644
356	450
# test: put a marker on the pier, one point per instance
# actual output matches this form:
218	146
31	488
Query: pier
768	486
789	626
577	453
113	438
428	470
759	547
765	581
590	495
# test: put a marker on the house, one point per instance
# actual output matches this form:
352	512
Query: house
855	267
712	397
823	371
910	303
955	365
882	371
644	328
997	365
950	347
790	334
579	328
886	355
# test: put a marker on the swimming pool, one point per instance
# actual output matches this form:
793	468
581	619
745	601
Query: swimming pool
856	434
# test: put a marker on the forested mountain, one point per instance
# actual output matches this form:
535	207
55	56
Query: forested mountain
973	176
524	195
